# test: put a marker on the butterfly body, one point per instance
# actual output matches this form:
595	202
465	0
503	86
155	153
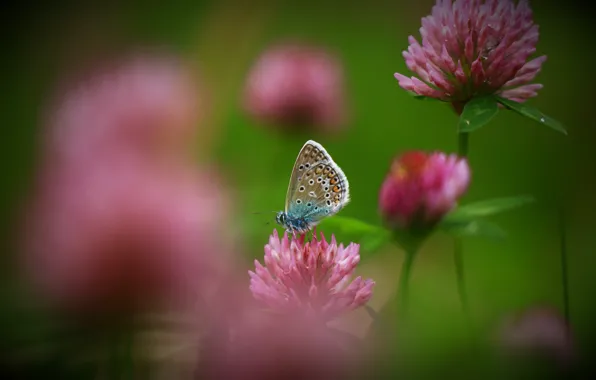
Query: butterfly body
318	188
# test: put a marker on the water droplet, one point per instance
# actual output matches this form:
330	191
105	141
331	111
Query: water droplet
468	122
542	120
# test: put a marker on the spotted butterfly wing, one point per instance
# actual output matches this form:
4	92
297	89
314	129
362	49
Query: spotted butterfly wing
318	187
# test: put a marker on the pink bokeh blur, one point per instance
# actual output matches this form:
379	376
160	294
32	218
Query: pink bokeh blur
120	217
297	85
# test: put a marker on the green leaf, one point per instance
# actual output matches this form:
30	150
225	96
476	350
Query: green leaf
473	227
488	207
370	237
477	113
532	113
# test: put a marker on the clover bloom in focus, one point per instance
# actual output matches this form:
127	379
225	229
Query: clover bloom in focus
309	277
474	47
421	188
297	86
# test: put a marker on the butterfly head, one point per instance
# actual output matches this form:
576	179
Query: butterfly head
281	218
293	224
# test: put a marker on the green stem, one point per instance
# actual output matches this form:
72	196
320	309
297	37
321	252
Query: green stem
462	148
113	358
459	273
404	280
129	354
120	355
564	275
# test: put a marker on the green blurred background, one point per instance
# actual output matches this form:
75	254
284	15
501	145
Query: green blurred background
511	156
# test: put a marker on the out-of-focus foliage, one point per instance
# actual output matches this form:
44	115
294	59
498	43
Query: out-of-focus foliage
514	155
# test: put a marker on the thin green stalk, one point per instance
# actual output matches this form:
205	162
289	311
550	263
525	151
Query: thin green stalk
462	148
128	365
462	144
459	273
564	272
404	280
120	354
113	357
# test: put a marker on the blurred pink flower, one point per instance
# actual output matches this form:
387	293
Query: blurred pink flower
474	47
297	86
422	188
145	105
124	236
255	345
537	331
311	278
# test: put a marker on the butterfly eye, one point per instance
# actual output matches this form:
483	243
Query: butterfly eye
326	188
328	202
327	195
307	166
309	204
298	201
319	180
316	208
311	182
301	189
301	167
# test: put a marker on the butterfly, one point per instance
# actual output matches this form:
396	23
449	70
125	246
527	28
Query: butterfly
318	188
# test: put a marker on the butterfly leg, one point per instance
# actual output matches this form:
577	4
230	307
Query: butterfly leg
313	234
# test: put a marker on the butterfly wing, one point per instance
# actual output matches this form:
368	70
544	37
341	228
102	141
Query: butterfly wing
309	155
318	187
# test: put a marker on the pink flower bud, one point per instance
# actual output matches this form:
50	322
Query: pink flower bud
421	188
297	86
